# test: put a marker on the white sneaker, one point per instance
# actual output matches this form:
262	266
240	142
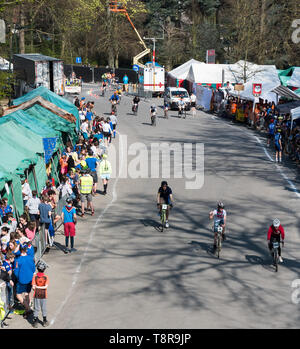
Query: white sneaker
167	225
280	259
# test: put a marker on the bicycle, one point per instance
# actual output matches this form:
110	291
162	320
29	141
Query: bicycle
153	119
166	112
275	247
163	216
135	108
219	240
182	111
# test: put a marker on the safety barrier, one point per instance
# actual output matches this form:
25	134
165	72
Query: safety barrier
4	309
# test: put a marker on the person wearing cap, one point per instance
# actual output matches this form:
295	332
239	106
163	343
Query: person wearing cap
40	282
105	172
69	220
85	188
276	234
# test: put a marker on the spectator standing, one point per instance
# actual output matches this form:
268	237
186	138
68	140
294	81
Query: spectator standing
40	282
69	220
92	162
32	206
26	191
24	271
105	172
45	214
86	187
125	82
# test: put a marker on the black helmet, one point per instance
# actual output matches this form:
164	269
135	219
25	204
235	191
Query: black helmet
163	183
220	205
41	266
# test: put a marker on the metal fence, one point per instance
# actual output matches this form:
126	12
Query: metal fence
4	309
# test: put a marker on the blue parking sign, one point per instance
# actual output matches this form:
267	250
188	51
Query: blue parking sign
136	68
78	60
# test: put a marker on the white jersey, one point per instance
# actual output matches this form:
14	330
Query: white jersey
219	215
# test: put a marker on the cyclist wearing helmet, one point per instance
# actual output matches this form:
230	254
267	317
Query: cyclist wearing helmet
219	216
275	231
165	196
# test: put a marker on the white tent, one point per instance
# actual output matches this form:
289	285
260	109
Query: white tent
266	75
295	78
182	71
295	114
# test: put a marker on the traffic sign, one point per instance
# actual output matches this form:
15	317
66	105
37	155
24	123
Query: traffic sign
136	68
78	60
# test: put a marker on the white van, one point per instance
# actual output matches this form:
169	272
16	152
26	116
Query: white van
173	94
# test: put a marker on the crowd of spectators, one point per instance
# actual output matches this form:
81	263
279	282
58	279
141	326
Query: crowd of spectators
78	164
266	118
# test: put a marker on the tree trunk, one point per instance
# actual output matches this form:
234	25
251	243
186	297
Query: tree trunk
22	31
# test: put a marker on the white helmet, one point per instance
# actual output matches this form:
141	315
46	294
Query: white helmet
276	223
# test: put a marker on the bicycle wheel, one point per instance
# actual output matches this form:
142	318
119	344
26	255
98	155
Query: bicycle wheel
163	220
219	246
276	260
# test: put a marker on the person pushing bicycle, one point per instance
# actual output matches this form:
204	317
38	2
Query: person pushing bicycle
165	196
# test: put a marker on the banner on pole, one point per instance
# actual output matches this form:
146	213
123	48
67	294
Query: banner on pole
49	147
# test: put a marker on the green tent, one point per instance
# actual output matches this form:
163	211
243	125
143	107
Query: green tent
20	148
14	186
34	125
45	116
53	98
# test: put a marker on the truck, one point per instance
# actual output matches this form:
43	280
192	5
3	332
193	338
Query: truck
153	79
35	70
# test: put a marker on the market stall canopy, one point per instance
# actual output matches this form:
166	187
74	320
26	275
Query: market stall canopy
284	91
295	114
287	107
53	98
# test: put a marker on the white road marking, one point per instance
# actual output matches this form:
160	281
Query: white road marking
83	259
279	169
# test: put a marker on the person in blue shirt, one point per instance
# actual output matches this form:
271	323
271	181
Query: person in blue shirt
115	97
278	145
125	82
92	161
24	271
8	265
271	132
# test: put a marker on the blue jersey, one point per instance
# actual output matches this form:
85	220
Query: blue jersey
114	98
277	138
272	128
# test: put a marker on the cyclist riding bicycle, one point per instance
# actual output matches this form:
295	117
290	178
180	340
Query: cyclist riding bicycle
135	102
276	232
114	97
219	216
181	105
165	196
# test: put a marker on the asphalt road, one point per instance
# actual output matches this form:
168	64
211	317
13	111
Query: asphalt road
127	274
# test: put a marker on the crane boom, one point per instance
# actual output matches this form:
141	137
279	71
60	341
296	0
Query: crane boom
116	6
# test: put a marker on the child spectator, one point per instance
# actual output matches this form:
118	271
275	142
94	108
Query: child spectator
5	238
40	283
69	219
30	230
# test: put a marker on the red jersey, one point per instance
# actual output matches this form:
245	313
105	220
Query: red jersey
273	232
